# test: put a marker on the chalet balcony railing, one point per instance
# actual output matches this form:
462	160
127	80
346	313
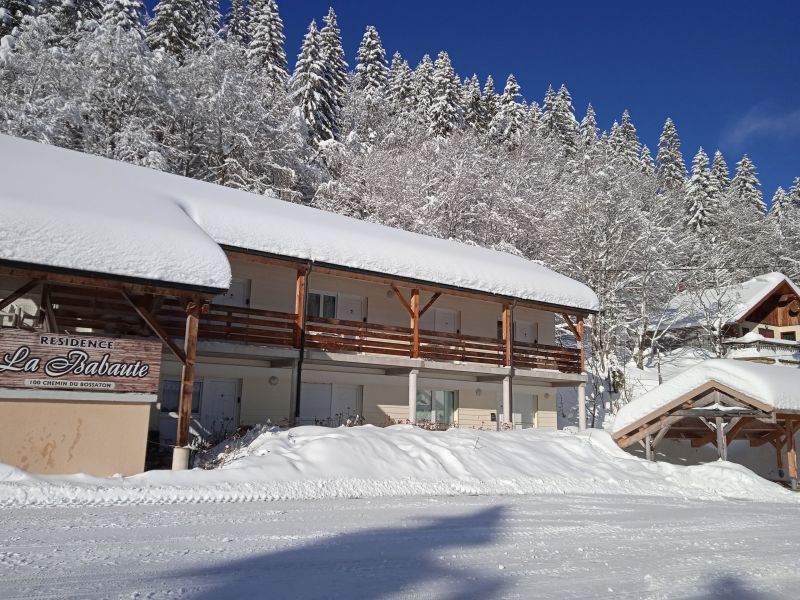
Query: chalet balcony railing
355	336
234	324
272	328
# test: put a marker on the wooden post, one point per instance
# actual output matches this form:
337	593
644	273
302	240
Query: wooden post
21	291
779	458
722	442
648	447
791	454
581	332
508	336
193	311
414	323
299	305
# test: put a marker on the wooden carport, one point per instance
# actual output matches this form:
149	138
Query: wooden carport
717	413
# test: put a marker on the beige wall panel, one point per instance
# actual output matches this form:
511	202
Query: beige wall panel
99	438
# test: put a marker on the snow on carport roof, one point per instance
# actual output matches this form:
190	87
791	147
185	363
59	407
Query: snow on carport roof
773	385
82	212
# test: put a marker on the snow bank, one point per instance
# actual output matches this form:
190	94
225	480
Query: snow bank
773	385
66	209
319	462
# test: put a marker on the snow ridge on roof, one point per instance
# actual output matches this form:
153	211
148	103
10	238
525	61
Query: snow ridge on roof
66	209
774	385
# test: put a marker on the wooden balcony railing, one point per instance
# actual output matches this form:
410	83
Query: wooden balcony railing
354	336
543	356
234	324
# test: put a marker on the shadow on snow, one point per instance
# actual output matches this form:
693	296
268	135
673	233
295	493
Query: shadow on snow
365	564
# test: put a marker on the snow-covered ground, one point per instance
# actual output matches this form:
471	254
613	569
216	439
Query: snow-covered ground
559	547
369	462
368	512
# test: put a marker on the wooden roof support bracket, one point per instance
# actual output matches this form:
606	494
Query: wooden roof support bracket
402	300
20	291
433	299
154	326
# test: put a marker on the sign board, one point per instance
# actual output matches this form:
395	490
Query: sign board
78	363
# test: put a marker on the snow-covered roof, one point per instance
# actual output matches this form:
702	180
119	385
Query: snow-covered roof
730	303
753	337
772	385
66	209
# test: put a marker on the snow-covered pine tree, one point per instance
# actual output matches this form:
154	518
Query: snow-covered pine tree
646	164
670	169
491	104
720	173
173	26
371	71
12	12
311	88
473	103
509	121
745	185
700	204
266	51
235	29
628	148
446	110
333	55
71	17
400	92
207	22
422	84
534	118
794	193
780	202
125	15
559	118
588	128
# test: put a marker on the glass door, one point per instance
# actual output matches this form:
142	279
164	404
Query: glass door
436	406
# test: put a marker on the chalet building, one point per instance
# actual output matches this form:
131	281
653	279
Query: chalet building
134	301
760	319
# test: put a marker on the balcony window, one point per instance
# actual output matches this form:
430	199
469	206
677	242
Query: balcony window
322	305
789	336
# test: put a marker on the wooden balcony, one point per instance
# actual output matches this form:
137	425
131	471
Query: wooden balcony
272	328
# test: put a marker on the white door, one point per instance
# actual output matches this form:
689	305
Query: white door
525	331
238	294
350	308
218	407
315	403
346	403
523	412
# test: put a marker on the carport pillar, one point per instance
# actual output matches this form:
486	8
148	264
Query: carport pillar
648	447
507	392
582	407
412	395
791	454
180	454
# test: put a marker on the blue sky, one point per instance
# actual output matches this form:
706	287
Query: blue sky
727	72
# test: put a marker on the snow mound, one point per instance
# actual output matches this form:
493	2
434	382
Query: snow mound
319	462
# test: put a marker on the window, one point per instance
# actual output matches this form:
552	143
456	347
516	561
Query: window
789	336
436	406
171	394
766	332
745	330
321	305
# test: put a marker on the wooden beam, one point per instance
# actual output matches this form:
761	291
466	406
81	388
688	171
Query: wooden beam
402	300
581	345
301	282
20	291
154	325
571	326
50	315
713	413
414	323
433	299
99	282
648	447
629	438
791	453
661	435
731	431
193	311
508	336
